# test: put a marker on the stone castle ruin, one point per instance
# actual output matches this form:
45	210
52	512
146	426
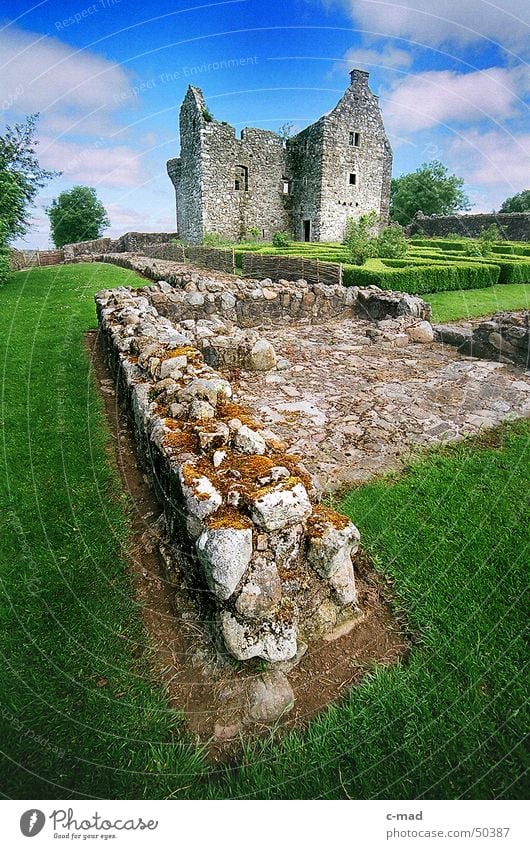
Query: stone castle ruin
308	185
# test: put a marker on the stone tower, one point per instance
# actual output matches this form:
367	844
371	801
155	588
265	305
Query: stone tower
338	167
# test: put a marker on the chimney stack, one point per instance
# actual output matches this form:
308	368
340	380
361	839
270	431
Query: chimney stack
359	79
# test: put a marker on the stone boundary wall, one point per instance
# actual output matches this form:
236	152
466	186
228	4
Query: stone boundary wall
34	259
252	303
270	566
127	242
279	267
514	226
505	337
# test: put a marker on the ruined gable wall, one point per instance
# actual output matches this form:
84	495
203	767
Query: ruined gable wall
371	162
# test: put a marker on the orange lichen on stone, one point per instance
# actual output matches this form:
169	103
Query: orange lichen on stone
279	486
321	518
227	410
186	351
253	466
181	440
132	359
228	517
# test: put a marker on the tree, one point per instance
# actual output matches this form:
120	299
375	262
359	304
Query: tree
518	203
286	131
77	216
430	189
21	177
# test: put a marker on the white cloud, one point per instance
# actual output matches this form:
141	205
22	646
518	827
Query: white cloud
42	74
387	58
493	158
119	166
437	22
448	97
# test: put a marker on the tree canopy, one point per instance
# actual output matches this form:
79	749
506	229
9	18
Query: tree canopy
76	216
517	203
430	189
21	177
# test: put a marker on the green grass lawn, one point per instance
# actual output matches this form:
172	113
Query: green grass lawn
451	534
451	306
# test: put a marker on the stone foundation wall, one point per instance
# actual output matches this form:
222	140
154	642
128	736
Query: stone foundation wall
197	293
270	565
514	226
505	338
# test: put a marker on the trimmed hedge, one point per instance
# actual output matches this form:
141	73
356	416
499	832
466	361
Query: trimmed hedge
423	279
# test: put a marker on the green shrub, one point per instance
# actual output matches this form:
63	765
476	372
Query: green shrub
281	240
215	240
360	239
391	242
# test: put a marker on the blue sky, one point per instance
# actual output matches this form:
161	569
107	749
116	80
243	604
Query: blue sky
108	77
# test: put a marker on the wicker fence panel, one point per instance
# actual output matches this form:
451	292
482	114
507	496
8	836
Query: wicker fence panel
279	267
216	258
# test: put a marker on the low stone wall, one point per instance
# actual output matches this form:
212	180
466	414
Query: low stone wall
128	242
271	567
514	226
34	259
252	303
505	338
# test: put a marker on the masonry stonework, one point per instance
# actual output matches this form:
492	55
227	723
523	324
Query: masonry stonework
338	167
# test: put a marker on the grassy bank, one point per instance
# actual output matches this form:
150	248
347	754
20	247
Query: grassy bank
451	306
79	715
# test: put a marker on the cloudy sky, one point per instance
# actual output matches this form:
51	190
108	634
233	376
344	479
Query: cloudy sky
108	77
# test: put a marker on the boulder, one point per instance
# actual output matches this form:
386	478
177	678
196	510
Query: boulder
270	697
248	441
207	389
224	554
202	498
421	332
271	640
262	591
262	356
332	548
281	507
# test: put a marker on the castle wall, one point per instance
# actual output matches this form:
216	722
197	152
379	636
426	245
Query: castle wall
257	161
305	156
186	173
228	185
370	161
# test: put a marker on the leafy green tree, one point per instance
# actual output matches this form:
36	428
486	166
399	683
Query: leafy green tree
517	203
430	189
21	177
77	216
